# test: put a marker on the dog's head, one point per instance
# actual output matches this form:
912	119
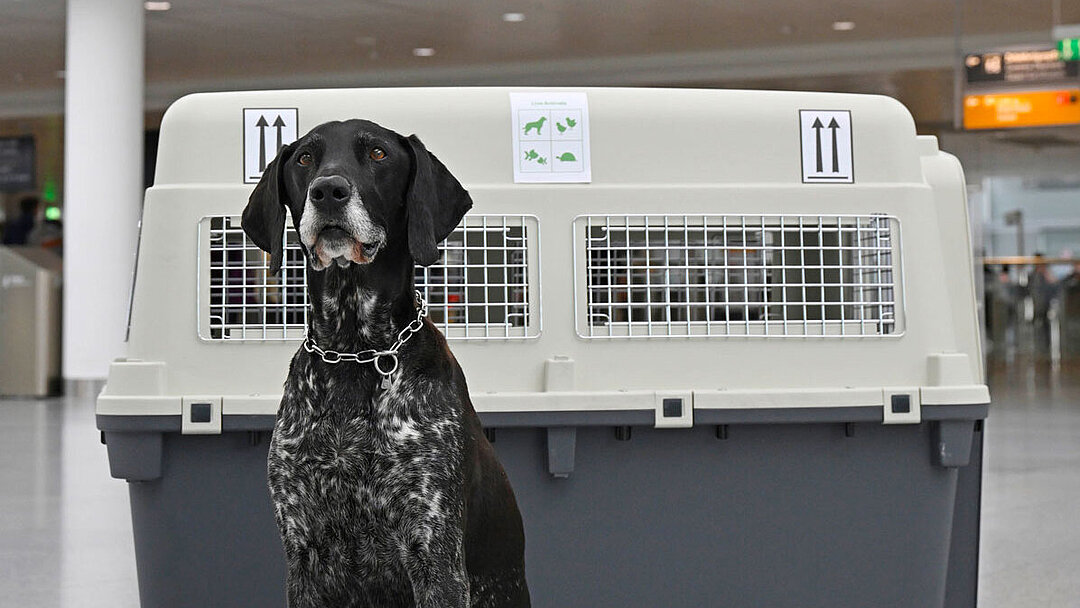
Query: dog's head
352	188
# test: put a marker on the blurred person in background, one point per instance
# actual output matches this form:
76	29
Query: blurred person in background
1069	292
1042	289
1002	295
17	231
1073	279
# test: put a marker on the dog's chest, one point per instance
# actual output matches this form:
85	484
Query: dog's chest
365	476
375	462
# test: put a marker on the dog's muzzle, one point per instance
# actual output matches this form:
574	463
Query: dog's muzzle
335	226
335	245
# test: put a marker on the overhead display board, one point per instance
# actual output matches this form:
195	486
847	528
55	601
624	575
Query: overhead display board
1022	109
1021	87
1020	66
1069	48
16	164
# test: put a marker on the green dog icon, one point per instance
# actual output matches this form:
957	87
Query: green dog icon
566	157
536	124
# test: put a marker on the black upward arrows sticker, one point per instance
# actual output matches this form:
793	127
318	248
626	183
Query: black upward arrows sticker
262	124
826	156
833	126
266	132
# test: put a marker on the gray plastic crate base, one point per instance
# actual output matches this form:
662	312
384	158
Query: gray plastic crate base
838	515
204	531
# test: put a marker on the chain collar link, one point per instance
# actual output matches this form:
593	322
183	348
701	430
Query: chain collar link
385	361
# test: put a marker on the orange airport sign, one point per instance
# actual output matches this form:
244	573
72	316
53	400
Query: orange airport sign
1022	109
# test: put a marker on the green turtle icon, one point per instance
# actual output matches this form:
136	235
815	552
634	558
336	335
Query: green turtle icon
567	157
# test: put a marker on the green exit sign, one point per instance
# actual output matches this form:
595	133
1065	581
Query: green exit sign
1069	49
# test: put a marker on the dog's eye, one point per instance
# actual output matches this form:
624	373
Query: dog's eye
377	154
304	159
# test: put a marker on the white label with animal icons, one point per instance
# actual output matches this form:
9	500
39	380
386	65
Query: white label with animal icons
551	137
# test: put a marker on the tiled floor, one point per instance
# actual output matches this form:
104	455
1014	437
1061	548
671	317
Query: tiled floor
65	531
1030	552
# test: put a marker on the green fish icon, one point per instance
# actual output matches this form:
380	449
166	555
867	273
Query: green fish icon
532	155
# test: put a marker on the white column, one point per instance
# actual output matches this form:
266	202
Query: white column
103	173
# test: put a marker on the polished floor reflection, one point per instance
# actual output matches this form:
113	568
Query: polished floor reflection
65	526
1030	550
65	530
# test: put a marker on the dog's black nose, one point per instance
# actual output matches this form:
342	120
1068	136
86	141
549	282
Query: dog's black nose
332	189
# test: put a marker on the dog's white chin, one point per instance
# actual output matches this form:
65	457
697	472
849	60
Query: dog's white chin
336	247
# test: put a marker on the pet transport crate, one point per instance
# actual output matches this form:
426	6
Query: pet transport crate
712	378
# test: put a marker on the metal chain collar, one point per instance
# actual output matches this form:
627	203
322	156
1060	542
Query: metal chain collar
379	358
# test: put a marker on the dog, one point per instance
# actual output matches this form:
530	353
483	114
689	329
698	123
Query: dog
385	490
536	124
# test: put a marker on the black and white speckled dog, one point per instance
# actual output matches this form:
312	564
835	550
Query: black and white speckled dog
386	495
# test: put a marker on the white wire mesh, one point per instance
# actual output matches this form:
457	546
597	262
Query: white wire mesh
480	288
245	301
738	275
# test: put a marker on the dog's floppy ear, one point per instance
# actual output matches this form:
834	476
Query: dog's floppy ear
264	216
435	202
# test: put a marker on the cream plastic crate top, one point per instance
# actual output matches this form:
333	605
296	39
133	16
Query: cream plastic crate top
703	258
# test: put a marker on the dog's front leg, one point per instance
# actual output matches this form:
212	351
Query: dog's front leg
437	574
301	592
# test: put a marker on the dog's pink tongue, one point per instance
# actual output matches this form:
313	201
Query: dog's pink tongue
356	254
324	260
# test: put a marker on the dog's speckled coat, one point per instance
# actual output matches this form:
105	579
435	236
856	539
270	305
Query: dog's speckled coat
384	498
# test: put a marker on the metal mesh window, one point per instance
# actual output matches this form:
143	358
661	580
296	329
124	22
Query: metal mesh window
724	275
479	289
245	301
